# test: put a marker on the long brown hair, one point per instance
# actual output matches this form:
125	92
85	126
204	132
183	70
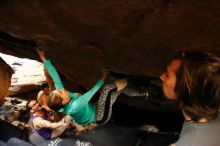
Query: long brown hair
54	101
198	84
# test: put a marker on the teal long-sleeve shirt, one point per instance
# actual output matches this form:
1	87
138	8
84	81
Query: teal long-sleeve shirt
79	107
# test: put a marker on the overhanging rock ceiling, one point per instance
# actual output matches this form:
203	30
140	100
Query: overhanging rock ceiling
127	36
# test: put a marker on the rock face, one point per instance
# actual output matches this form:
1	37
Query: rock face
126	36
5	78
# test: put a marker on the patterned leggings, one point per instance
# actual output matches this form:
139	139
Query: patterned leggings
107	98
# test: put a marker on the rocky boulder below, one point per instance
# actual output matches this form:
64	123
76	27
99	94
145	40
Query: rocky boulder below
28	75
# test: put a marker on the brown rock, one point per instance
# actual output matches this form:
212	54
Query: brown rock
130	37
5	78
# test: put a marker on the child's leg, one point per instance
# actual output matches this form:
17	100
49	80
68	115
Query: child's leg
134	92
107	98
108	109
101	103
110	98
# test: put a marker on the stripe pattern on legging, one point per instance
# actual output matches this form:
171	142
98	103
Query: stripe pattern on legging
103	102
108	97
